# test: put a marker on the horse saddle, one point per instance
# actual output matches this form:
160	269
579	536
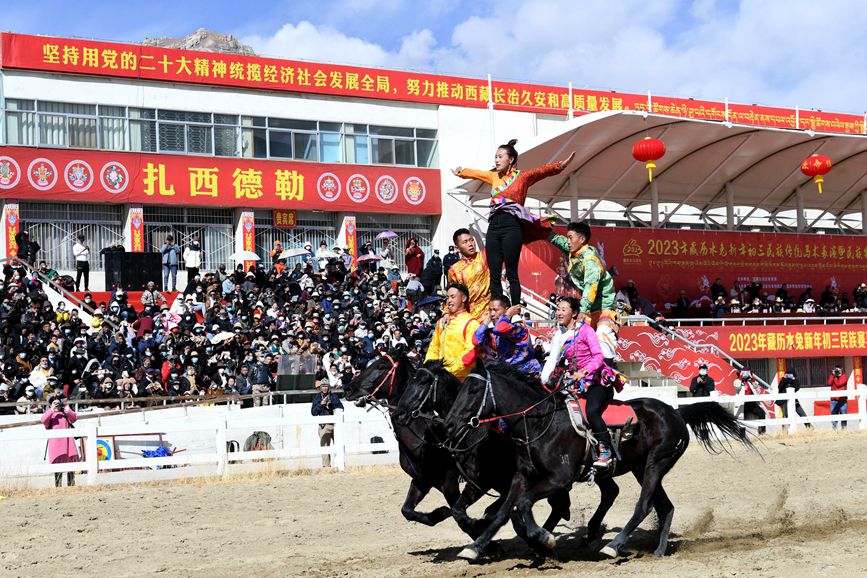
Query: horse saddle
618	416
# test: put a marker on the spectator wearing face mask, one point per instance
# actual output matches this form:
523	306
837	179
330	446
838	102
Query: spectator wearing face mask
702	384
193	257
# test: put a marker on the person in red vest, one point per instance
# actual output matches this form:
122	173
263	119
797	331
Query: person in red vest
838	381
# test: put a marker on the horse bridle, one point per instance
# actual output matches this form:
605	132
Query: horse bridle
389	377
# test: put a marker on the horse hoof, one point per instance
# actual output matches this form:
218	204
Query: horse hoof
550	542
469	554
608	551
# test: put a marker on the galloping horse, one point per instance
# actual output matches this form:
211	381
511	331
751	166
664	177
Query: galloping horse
423	457
551	456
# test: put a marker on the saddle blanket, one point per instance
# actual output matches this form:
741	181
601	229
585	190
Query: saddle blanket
616	415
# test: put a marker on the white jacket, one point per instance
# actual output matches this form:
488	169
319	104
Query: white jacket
192	257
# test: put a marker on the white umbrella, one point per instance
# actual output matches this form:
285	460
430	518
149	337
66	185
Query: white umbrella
222	336
244	256
325	254
289	253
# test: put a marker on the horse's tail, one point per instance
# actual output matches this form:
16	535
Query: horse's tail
714	427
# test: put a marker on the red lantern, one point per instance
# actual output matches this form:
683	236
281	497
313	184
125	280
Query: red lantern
647	151
816	166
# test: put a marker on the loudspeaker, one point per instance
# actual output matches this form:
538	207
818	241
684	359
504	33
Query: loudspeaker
132	271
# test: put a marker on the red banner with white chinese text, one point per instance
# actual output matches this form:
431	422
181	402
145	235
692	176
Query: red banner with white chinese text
113	177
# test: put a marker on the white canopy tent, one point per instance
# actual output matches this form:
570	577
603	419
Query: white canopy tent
713	174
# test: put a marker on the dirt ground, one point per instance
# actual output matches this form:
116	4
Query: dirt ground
800	511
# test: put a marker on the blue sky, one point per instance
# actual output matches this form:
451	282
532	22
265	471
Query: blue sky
798	52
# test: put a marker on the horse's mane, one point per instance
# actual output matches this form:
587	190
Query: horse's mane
513	376
437	366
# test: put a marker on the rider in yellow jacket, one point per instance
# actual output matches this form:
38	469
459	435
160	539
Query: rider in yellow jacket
452	341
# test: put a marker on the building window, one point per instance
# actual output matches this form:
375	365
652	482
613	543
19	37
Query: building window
120	128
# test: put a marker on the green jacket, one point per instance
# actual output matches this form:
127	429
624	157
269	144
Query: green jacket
589	275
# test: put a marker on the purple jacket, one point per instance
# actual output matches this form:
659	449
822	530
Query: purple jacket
507	343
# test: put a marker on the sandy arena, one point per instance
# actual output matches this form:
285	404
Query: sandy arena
800	512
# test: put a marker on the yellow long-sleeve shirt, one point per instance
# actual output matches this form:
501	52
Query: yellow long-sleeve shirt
475	275
453	344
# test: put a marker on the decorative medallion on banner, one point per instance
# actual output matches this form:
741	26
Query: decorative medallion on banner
10	173
42	174
386	189
78	175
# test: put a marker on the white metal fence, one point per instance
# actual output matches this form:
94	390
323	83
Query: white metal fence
214	442
218	437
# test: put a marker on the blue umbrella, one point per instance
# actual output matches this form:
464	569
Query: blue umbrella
429	300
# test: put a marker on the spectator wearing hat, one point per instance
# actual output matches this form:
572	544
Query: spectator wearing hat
702	384
432	273
193	257
452	257
81	252
170	259
28	403
4	398
58	415
347	258
324	404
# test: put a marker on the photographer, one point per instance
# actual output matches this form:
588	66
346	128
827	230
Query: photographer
838	381
324	403
61	450
790	381
702	384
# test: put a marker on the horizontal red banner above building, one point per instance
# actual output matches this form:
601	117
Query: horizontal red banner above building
791	342
114	177
114	59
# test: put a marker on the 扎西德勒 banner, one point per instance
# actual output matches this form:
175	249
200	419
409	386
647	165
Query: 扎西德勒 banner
116	177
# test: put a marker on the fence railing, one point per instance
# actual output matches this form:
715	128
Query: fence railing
735	403
209	427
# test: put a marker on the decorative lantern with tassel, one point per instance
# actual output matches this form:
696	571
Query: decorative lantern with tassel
648	150
816	166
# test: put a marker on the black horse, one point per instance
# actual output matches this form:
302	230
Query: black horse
487	461
551	456
422	455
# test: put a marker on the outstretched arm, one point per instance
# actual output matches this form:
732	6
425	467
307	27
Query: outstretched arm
535	175
484	176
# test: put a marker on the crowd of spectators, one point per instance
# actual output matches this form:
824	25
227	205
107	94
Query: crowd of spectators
223	334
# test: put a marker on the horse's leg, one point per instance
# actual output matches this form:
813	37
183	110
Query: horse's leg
609	490
560	510
540	539
416	493
665	512
472	551
467	498
651	478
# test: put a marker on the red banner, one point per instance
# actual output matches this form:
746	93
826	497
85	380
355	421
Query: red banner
113	59
752	342
12	225
90	176
662	262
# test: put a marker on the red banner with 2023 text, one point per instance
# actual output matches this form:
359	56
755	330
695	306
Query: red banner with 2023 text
113	59
790	342
662	262
88	176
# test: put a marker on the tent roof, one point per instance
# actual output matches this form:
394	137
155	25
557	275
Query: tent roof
762	165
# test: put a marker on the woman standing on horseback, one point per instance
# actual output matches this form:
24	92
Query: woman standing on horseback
508	216
577	358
